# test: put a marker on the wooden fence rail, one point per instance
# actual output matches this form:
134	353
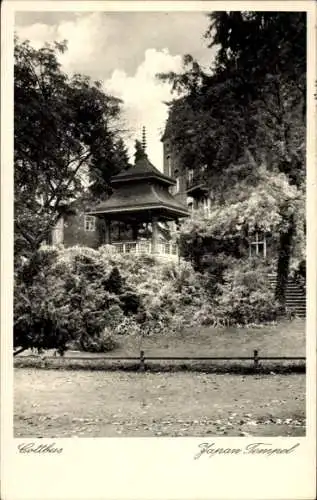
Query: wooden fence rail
142	358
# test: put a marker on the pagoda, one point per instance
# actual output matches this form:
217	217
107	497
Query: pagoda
137	215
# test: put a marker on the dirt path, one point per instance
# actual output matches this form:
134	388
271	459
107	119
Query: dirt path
103	404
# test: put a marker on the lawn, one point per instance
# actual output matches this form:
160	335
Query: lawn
50	403
285	338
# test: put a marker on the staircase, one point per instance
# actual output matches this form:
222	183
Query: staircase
295	295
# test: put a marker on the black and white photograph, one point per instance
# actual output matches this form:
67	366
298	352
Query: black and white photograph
159	224
158	250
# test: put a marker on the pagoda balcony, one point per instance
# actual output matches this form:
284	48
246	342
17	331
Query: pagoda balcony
163	250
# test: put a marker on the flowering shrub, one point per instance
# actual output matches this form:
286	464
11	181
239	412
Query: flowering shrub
245	296
127	326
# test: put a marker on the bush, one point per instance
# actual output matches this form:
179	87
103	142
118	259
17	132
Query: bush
66	295
167	291
103	342
128	326
40	308
246	296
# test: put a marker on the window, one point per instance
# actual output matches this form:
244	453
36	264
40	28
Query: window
257	245
90	223
190	176
168	166
190	203
58	232
206	205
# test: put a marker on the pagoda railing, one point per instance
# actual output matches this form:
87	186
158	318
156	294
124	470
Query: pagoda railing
162	249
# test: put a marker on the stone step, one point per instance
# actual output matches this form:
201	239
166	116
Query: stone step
295	295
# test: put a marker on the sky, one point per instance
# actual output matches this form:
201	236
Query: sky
125	50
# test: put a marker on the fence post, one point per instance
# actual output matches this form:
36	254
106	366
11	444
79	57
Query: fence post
142	364
256	359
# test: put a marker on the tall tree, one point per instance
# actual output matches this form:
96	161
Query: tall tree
106	163
64	128
252	102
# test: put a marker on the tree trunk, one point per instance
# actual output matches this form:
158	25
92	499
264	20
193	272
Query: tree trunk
284	254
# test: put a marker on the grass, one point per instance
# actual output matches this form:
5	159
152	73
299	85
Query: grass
285	338
107	404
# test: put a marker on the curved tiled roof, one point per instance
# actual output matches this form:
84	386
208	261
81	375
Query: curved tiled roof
143	169
144	197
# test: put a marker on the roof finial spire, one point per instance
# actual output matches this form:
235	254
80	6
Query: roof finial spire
143	139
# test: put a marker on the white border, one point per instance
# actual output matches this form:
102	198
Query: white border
150	468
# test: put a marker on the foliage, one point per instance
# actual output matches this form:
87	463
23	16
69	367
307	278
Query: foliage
62	295
64	137
243	36
261	200
245	296
40	306
139	151
129	300
168	292
254	98
99	343
242	297
109	159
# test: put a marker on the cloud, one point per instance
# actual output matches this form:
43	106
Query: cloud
37	34
87	38
100	42
143	98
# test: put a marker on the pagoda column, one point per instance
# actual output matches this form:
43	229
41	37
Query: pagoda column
135	231
107	232
155	235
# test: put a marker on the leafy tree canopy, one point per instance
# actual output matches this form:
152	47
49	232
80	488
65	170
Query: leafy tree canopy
65	137
253	97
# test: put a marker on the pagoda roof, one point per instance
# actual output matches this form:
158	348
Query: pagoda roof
144	198
143	169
